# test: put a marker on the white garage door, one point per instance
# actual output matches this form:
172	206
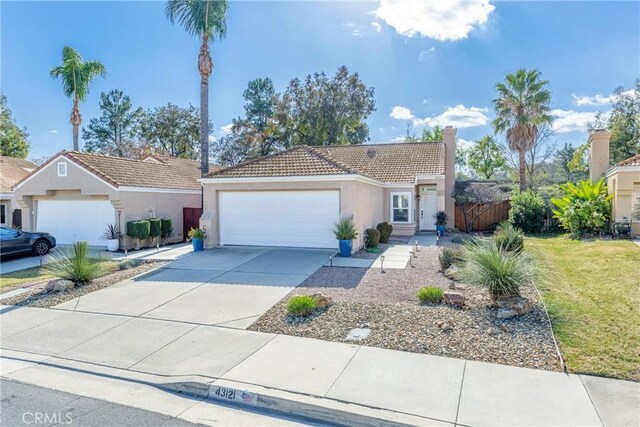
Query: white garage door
72	221
279	218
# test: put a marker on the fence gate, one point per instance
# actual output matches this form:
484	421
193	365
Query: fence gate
483	215
190	219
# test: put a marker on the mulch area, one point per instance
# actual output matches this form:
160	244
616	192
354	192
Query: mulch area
387	304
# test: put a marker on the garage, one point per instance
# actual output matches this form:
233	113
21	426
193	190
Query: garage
279	218
72	221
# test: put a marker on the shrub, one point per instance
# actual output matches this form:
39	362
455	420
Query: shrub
373	237
462	240
301	305
166	228
129	263
440	217
196	233
508	238
448	256
500	272
111	232
527	212
138	230
155	227
430	294
584	209
345	229
75	263
385	229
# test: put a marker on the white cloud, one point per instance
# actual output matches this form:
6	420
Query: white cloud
439	19
356	30
53	131
597	99
459	117
425	53
401	113
226	129
572	121
465	144
376	26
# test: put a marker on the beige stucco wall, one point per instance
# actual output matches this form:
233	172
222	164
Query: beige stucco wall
449	139
621	184
362	201
82	185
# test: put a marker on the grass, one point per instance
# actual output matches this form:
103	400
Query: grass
38	274
301	305
430	294
592	292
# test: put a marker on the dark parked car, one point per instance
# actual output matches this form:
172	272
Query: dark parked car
14	241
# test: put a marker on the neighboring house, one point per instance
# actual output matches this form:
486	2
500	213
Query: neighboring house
12	170
75	195
623	179
294	198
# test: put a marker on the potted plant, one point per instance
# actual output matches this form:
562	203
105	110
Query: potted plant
441	222
345	231
112	236
197	236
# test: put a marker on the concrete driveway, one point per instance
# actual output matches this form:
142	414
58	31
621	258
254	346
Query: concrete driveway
226	286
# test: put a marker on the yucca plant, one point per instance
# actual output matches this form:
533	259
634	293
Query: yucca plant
345	229
75	263
509	238
502	273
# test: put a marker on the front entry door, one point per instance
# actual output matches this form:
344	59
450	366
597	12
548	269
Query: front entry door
428	208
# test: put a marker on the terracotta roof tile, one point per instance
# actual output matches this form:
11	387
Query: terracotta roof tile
396	163
631	161
13	170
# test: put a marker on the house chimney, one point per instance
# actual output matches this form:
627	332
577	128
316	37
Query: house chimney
449	139
599	144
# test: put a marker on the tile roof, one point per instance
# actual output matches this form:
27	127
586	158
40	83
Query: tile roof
13	170
170	173
631	161
393	163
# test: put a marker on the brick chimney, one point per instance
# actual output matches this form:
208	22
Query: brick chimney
449	139
599	144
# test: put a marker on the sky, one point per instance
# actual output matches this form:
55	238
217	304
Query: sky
430	62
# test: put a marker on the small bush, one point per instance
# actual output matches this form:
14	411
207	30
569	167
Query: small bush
448	256
196	233
166	228
138	230
509	238
585	208
301	305
385	229
430	294
373	237
155	227
345	229
440	217
129	263
462	240
75	263
500	272
527	212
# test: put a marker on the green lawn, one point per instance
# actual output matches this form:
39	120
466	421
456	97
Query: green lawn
592	292
39	274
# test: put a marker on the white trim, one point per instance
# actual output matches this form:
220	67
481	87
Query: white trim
301	178
158	190
617	169
409	208
65	164
6	195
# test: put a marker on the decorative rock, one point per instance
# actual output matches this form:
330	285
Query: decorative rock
452	285
454	298
517	305
450	272
504	328
447	326
358	334
493	331
322	300
62	285
50	285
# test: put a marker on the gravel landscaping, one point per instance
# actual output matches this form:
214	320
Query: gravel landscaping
38	297
363	254
387	304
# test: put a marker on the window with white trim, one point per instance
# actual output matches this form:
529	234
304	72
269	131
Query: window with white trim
401	207
62	169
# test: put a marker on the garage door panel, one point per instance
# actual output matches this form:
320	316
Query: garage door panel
287	218
72	221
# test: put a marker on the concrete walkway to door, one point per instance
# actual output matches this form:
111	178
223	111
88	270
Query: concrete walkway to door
228	286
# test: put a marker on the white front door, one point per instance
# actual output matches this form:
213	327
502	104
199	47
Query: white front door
428	207
71	221
279	218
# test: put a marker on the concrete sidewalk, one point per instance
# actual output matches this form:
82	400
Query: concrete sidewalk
49	347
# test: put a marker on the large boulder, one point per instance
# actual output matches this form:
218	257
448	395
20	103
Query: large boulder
454	298
62	285
513	307
322	300
450	273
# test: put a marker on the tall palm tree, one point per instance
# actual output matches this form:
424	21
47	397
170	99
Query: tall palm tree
207	20
522	106
76	75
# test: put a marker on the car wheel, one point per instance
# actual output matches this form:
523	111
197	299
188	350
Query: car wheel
41	247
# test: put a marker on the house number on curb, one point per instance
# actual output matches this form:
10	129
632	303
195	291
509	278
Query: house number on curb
223	393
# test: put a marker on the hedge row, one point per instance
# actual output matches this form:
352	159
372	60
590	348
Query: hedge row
153	227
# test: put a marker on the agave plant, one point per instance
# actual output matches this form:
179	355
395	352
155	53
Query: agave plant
345	229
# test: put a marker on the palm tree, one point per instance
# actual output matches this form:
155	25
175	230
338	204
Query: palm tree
76	76
205	19
522	106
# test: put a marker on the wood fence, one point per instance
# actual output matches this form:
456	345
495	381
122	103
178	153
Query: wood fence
485	216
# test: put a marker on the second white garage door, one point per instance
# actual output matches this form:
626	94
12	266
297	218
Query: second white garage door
279	218
72	221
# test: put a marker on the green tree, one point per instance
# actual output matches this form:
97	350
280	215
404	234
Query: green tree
76	75
569	167
579	163
207	20
486	158
172	130
522	105
434	134
13	140
114	132
326	111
